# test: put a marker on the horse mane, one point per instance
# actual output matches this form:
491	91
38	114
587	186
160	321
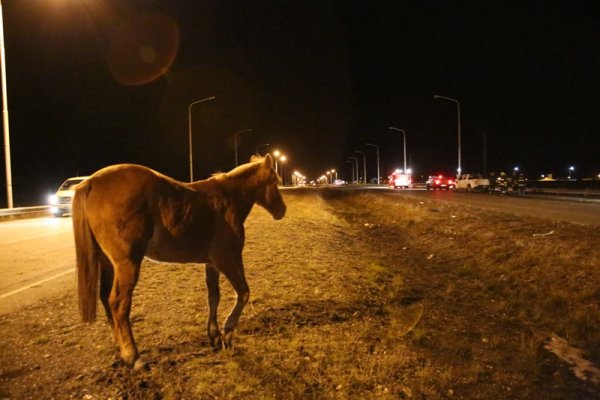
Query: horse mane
240	171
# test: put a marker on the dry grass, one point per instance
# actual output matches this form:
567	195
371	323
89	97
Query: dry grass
353	296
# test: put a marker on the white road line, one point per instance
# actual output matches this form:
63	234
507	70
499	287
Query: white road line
35	237
36	283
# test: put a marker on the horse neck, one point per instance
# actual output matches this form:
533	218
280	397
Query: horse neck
241	193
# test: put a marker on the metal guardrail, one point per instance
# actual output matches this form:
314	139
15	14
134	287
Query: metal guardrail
43	211
23	212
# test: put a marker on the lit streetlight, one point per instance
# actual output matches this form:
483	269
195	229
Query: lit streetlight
458	111
571	169
378	173
190	133
299	178
9	194
279	157
404	136
235	140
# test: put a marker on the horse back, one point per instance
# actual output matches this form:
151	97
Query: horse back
156	215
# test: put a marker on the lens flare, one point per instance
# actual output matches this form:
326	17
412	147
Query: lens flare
143	49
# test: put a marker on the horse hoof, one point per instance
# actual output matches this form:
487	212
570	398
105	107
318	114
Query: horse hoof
140	365
228	342
216	343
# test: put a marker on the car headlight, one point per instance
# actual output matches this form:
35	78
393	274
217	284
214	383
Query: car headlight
52	199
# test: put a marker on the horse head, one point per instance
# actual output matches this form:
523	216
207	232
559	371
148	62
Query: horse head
268	196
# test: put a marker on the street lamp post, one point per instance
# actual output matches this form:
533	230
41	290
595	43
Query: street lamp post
352	165
9	194
364	165
458	113
190	133
376	148
235	140
279	157
356	169
404	139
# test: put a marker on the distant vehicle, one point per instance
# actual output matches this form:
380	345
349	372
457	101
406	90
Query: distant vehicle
440	182
472	182
398	179
61	201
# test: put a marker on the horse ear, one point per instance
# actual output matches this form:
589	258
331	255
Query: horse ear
269	160
255	157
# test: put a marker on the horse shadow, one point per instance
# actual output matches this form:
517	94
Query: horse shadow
308	314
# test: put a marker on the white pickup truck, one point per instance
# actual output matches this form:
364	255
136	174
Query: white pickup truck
472	182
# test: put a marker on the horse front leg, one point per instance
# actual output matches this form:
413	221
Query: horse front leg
234	271
212	283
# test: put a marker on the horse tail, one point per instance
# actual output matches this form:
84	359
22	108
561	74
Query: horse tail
87	256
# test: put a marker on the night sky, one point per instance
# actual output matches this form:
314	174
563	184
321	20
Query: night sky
97	82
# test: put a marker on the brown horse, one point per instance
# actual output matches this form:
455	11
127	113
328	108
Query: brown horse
124	213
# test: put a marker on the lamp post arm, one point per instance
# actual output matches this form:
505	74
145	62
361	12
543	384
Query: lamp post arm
458	114
403	141
235	140
190	133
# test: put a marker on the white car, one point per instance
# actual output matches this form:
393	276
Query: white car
60	203
472	182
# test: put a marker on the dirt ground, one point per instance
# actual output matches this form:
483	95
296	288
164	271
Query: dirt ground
352	296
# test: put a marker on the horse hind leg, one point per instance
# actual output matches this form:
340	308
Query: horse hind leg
107	276
214	296
126	276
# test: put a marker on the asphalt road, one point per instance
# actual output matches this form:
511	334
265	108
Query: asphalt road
37	256
547	207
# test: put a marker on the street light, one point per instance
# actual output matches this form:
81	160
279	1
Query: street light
352	165
9	194
458	111
571	169
235	140
356	164
364	165
190	133
376	148
261	145
404	135
278	157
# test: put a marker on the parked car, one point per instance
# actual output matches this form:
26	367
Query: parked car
472	182
60	202
440	182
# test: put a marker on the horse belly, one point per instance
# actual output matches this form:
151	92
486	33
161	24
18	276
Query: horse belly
166	248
